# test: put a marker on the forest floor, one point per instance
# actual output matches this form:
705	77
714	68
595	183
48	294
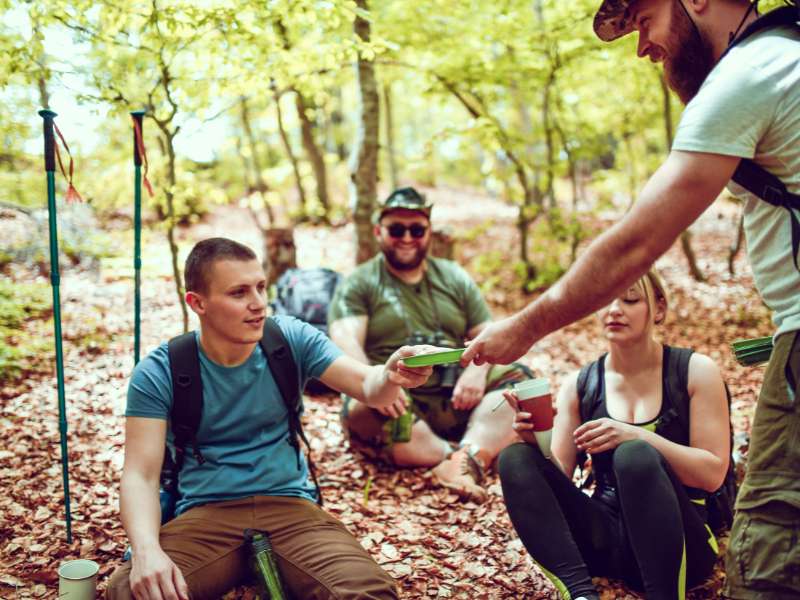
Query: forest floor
434	545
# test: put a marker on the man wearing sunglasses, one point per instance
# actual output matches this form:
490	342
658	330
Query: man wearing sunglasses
404	295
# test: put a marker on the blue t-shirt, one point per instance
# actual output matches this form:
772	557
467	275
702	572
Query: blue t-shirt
244	430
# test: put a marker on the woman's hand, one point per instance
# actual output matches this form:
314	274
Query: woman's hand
604	434
522	425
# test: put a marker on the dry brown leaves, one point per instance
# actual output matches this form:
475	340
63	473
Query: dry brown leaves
434	545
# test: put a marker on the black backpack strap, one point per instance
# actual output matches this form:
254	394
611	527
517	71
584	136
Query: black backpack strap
765	185
187	395
676	375
287	377
588	387
785	15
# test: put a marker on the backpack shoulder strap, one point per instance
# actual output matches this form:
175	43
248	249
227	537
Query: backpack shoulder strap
785	15
589	384
677	379
187	394
287	377
281	363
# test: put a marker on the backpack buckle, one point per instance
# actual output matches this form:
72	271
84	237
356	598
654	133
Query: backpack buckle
184	380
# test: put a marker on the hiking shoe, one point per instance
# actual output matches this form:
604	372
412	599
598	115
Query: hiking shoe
463	474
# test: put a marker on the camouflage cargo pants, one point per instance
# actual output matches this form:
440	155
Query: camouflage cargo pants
763	561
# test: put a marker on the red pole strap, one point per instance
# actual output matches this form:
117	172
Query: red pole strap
140	145
72	193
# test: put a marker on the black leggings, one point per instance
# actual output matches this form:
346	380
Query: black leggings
653	537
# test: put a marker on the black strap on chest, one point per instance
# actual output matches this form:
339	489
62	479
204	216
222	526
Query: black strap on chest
187	391
676	397
755	179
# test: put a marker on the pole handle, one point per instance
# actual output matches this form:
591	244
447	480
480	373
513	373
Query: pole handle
49	140
137	118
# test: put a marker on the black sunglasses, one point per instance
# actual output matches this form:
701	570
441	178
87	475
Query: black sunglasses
398	230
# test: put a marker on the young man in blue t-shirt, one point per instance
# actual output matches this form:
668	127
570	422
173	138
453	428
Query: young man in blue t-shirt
250	476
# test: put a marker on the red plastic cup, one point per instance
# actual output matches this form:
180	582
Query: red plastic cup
535	398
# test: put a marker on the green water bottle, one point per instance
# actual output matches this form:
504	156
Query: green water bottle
399	429
264	566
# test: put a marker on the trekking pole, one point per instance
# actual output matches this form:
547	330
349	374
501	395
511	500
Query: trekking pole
50	168
139	158
137	115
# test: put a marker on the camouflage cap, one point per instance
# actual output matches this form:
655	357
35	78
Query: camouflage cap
613	20
407	198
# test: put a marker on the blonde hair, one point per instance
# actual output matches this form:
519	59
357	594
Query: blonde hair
654	291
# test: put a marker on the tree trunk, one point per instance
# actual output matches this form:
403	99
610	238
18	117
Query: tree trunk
364	173
287	146
314	155
261	185
390	148
736	245
280	252
443	244
169	138
686	245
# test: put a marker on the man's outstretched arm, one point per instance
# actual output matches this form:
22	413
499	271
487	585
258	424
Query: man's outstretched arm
683	187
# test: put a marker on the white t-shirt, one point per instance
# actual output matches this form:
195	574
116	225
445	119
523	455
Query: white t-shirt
749	106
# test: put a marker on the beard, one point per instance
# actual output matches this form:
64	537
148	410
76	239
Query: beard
689	57
404	264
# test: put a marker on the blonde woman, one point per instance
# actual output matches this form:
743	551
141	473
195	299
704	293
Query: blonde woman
653	461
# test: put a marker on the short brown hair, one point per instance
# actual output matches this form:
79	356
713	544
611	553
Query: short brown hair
203	255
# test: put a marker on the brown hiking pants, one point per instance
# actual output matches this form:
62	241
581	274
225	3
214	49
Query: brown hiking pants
763	561
317	557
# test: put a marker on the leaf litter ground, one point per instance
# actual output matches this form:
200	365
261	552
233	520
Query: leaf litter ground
434	545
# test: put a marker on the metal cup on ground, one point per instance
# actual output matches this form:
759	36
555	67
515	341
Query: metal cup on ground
77	580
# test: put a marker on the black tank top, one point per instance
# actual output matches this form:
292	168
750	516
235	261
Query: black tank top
665	423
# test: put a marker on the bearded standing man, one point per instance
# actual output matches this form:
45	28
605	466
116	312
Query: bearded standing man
741	104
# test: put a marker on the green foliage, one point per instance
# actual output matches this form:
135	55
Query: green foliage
20	303
514	96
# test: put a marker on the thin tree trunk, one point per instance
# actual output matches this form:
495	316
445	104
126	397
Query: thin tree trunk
169	138
261	185
287	146
313	153
686	245
389	121
736	245
364	173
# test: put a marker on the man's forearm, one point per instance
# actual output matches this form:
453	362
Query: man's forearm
140	511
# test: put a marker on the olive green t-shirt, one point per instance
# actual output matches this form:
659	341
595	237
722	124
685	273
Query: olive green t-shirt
446	300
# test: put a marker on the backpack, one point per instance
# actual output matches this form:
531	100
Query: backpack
748	174
306	294
719	504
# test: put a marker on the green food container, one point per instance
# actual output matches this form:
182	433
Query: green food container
443	357
752	352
